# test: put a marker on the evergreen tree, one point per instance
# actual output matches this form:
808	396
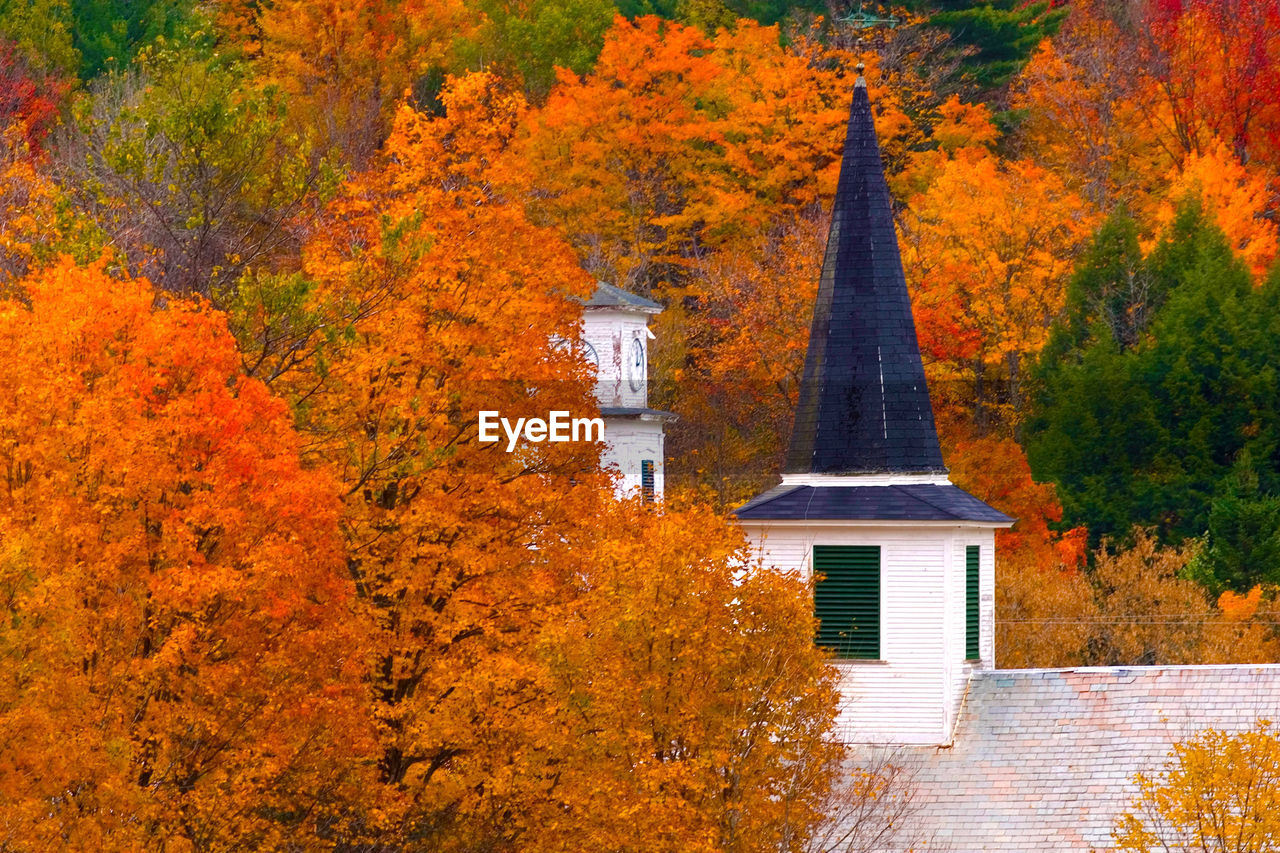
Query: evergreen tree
709	13
1157	405
109	34
1001	33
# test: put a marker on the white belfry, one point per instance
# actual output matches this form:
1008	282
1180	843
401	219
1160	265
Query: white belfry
616	337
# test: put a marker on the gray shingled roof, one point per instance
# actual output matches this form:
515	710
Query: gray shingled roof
864	406
1043	759
609	296
911	502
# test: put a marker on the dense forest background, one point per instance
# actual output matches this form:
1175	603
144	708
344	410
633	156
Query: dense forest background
262	261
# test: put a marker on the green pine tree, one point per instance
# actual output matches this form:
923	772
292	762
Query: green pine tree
1156	403
999	35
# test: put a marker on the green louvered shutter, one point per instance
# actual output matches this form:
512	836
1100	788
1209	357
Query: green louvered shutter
846	599
971	603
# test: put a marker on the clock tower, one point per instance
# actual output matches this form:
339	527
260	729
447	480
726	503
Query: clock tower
616	338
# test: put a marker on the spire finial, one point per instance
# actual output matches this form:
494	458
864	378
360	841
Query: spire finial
861	81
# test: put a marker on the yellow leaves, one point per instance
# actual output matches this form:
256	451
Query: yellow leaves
962	125
693	700
1218	791
482	116
344	65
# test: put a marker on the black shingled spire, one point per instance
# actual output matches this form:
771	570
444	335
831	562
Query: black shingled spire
864	406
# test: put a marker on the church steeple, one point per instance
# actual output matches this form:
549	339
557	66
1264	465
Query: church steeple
901	559
864	406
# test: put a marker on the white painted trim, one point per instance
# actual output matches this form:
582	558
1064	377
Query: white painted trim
790	523
865	480
1140	670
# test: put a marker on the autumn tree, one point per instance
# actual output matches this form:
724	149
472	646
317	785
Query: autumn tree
1236	198
452	304
678	143
1211	72
42	31
29	98
1127	92
343	66
1217	792
694	707
1081	95
184	652
987	251
36	219
190	169
1151	612
694	168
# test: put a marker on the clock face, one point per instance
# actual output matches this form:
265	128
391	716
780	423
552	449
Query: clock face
635	365
589	353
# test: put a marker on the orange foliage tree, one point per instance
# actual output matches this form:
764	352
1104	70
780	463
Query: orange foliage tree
453	304
678	141
518	614
1237	199
345	65
1211	71
1085	116
1118	100
693	710
183	654
987	250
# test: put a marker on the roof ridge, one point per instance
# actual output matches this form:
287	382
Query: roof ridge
902	487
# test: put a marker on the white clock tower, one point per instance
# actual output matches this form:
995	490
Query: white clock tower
616	336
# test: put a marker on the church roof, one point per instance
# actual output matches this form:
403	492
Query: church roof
609	296
908	502
1043	759
864	406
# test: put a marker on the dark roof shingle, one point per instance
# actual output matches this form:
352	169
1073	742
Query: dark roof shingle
910	502
864	406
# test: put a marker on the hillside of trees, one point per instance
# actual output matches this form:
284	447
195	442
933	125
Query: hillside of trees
262	261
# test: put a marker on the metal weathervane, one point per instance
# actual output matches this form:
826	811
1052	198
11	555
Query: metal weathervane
862	20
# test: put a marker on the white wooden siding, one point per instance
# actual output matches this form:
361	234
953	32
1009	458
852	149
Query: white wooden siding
913	693
627	442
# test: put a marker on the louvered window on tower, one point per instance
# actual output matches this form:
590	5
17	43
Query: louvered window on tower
646	480
971	563
846	599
